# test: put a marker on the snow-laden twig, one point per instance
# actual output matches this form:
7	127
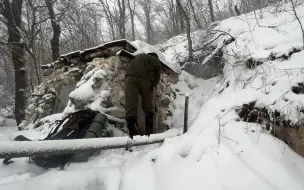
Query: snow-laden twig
219	48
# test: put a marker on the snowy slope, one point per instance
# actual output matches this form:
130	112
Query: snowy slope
219	151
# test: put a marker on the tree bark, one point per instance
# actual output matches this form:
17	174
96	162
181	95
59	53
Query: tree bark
122	18
13	12
188	29
210	4
56	30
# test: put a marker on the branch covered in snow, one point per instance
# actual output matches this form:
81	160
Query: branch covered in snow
219	48
55	147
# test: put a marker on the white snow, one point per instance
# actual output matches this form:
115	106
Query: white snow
199	91
218	151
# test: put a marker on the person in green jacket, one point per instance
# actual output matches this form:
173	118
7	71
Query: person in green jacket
142	75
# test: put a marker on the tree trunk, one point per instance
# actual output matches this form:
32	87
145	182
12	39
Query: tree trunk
238	13
147	11
199	25
122	18
230	7
148	28
56	30
210	4
132	18
180	18
13	12
188	29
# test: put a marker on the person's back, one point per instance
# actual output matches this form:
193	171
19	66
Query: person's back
146	67
142	75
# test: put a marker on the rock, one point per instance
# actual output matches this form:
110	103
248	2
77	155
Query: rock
298	89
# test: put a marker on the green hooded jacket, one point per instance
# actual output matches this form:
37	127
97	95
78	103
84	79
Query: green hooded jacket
146	67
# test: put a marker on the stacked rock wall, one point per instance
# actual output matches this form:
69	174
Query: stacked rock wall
98	85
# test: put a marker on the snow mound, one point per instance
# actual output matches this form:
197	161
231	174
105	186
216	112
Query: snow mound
272	68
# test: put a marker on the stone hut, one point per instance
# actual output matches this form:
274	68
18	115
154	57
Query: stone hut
94	78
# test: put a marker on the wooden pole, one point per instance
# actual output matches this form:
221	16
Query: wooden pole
186	113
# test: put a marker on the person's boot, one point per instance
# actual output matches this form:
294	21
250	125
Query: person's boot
132	126
149	123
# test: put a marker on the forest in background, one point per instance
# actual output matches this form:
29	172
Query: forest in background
36	32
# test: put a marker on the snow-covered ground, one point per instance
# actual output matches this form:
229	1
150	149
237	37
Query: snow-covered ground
218	151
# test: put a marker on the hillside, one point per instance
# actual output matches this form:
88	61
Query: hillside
233	120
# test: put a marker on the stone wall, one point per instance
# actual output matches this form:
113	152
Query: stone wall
51	96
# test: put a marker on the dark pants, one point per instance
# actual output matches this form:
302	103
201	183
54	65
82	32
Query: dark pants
133	88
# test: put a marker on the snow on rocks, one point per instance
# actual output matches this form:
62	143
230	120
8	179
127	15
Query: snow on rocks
208	63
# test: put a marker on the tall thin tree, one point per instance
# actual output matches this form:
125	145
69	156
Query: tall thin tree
56	29
210	4
187	19
132	13
12	11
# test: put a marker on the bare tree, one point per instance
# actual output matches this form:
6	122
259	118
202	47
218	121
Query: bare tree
32	33
110	17
122	18
116	16
210	4
56	30
297	17
132	14
186	16
146	6
7	72
12	11
194	15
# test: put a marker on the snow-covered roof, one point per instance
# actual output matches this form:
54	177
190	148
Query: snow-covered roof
119	47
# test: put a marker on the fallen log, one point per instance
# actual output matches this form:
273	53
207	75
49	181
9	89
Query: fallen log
15	149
